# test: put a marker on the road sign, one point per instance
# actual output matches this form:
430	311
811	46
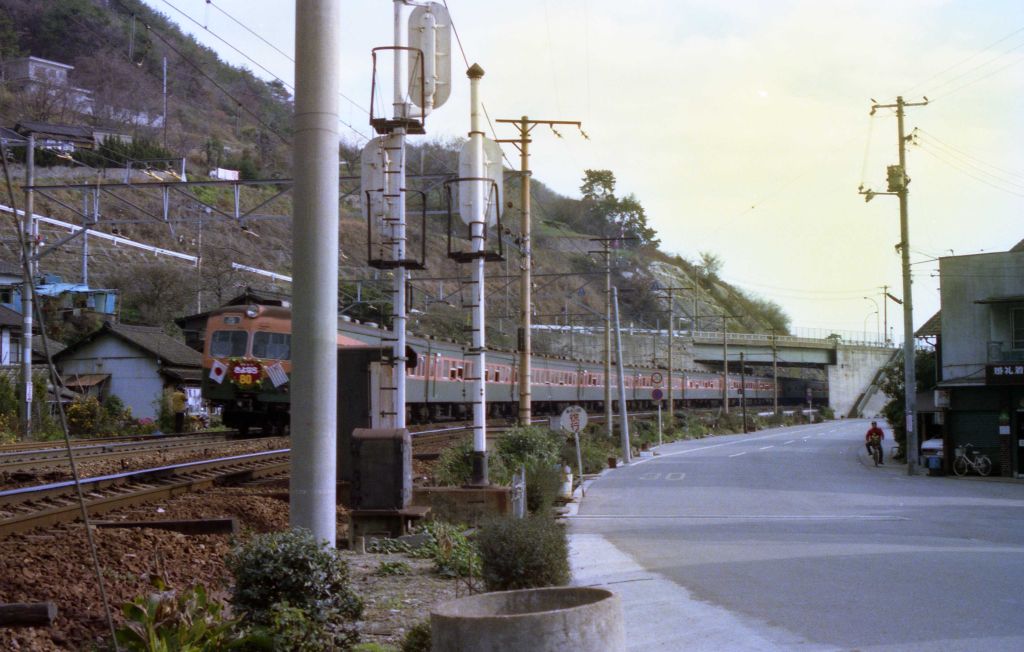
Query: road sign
656	378
657	394
574	419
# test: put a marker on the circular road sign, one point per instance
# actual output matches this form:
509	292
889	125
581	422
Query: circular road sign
574	419
656	378
656	394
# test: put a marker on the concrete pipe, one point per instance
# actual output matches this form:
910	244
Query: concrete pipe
539	620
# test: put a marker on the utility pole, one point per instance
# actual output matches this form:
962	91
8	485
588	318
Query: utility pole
670	292
315	252
606	251
525	125
885	314
28	227
898	181
165	103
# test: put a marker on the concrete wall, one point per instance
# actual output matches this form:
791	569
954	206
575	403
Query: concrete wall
852	374
968	327
636	349
134	375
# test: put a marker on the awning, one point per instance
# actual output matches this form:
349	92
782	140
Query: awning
1009	299
84	381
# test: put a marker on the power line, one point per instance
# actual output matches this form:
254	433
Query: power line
965	154
963	61
967	172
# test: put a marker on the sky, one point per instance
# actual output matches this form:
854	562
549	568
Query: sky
742	126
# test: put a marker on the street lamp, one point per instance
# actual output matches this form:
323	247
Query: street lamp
866	317
877	331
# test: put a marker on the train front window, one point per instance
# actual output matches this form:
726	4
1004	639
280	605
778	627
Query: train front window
228	344
273	346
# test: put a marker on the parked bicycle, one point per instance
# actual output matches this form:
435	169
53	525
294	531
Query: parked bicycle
967	460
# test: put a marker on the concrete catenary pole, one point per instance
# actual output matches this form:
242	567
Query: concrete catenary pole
477	231
608	338
725	364
315	255
775	374
623	413
28	289
526	274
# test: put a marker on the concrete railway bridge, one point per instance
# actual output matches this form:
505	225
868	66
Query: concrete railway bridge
853	369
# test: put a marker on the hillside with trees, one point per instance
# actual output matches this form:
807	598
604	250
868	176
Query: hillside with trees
223	116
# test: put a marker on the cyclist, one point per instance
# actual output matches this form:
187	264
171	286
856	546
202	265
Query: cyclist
873	442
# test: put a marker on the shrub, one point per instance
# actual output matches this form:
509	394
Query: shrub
455	466
522	446
300	630
453	554
294	569
523	553
417	639
543	482
393	568
186	622
595	449
84	415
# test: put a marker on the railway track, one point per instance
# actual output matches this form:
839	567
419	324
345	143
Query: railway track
33	459
45	505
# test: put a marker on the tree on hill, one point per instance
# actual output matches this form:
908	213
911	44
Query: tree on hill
613	216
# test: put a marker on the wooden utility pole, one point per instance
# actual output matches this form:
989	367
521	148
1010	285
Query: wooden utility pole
525	125
898	183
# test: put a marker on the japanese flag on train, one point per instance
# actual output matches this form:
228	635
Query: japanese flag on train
218	370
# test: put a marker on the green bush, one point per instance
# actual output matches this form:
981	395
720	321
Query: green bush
523	446
301	630
455	466
393	568
543	481
523	553
185	622
294	569
417	639
595	449
453	554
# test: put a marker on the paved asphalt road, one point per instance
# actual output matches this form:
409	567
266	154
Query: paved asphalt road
788	539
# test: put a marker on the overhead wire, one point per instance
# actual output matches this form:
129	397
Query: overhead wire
963	61
981	162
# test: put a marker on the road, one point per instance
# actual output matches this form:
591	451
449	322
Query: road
788	539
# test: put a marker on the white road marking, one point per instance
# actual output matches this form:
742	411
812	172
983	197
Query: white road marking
789	442
738	454
764	448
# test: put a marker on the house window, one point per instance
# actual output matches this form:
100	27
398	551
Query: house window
1018	327
6	295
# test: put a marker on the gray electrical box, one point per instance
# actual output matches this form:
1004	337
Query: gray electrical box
381	469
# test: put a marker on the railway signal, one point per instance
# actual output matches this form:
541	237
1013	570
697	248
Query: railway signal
421	77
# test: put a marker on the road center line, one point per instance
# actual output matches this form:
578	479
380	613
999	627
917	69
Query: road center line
764	448
789	442
738	454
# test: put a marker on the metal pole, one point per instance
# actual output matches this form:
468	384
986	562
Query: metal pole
165	103
885	313
315	255
743	390
725	365
909	380
477	225
623	413
396	196
28	287
671	411
608	419
775	374
526	291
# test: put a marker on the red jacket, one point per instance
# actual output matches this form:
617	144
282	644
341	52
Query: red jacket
874	432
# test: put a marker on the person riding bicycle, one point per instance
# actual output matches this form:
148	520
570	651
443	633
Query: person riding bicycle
873	442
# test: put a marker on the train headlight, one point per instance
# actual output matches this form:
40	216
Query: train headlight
251	312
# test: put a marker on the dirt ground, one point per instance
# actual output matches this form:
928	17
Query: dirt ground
55	565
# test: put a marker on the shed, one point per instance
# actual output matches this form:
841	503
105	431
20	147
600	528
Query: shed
135	363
